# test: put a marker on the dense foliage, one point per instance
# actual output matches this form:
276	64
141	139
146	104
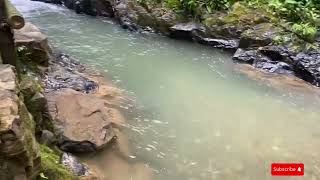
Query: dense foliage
194	7
301	16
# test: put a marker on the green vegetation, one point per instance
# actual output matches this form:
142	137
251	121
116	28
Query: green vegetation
306	31
51	168
196	7
300	17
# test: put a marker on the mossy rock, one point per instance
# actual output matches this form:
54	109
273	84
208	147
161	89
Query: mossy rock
51	168
29	86
33	92
233	23
244	15
260	35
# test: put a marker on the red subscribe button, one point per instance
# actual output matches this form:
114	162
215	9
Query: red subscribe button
284	169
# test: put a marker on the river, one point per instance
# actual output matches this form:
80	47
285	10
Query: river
196	117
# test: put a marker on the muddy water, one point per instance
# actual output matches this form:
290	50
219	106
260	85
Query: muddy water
195	116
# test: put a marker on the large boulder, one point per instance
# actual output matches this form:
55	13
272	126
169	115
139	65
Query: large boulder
103	8
217	43
186	30
164	19
197	32
19	151
126	15
278	53
35	43
232	24
137	17
246	56
307	66
83	122
259	60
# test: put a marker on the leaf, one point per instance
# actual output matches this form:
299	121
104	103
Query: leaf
43	176
291	2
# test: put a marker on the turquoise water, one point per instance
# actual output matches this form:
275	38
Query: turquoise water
196	118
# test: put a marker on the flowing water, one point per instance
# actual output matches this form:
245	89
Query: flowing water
197	119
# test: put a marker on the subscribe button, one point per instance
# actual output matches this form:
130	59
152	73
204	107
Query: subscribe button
286	169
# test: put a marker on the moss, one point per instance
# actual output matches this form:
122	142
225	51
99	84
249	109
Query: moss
212	21
30	86
28	127
51	168
173	4
239	15
32	90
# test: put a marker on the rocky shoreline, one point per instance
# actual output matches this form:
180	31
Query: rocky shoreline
251	34
69	108
52	107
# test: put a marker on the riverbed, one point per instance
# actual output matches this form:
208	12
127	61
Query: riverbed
192	115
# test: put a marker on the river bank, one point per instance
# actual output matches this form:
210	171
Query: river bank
258	39
197	111
65	106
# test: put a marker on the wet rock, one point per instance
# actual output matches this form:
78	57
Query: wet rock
245	56
135	17
83	123
69	3
85	6
126	16
260	61
259	35
69	63
62	79
89	7
185	30
66	73
277	53
218	43
274	67
74	165
307	66
197	32
277	59
144	18
19	151
225	31
103	8
164	20
35	42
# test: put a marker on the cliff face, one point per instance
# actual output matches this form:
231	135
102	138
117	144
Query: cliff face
19	151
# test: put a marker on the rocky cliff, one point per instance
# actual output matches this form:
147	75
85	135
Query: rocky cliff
19	151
